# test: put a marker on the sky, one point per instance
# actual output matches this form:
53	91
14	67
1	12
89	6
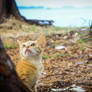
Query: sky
55	3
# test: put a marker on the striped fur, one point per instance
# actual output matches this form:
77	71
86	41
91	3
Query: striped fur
29	67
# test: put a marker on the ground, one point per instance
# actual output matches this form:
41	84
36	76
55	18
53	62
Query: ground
67	56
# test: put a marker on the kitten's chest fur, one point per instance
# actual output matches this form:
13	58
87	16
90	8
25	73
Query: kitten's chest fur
29	72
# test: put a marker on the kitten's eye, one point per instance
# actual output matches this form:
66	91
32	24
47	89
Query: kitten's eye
33	44
24	45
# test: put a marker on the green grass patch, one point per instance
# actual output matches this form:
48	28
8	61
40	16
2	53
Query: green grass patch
33	28
57	55
80	41
45	57
79	33
52	33
82	48
9	45
53	56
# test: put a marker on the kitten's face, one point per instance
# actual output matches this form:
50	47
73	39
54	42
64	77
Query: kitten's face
32	48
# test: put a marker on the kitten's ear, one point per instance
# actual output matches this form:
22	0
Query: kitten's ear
42	41
19	42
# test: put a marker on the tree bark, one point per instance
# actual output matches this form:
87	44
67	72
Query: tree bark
8	8
9	81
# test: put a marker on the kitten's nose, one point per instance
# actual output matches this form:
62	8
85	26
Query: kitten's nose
27	47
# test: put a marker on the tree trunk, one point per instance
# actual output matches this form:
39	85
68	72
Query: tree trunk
9	81
8	8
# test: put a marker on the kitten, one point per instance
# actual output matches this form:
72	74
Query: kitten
29	67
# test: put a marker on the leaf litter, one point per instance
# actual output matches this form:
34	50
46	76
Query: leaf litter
65	66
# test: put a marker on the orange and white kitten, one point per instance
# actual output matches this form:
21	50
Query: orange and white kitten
29	67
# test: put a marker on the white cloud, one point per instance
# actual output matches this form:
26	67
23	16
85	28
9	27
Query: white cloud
55	3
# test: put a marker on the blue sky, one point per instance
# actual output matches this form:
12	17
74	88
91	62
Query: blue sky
55	3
